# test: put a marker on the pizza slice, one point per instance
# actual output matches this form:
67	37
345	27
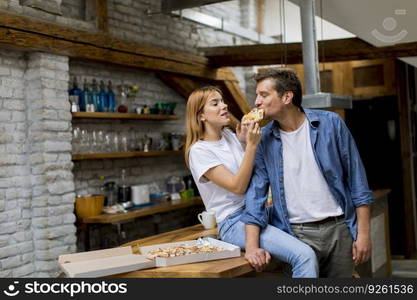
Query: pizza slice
256	114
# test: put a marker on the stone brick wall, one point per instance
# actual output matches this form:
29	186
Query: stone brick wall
36	182
49	139
16	6
16	246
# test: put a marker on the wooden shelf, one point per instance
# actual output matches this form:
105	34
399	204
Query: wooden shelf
124	154
114	115
141	212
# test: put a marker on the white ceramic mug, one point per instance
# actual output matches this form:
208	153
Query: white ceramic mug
207	219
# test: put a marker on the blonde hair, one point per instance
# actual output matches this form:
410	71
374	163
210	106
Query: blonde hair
194	126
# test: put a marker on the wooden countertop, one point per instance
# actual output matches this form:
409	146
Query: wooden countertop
141	212
224	268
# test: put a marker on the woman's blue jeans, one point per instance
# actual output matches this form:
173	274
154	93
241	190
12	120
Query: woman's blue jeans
278	243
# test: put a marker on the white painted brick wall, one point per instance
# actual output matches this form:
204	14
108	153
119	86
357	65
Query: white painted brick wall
35	165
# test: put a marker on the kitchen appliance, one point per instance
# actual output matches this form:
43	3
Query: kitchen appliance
124	196
110	193
140	194
125	192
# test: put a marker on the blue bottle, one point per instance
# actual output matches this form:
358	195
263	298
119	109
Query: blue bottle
111	98
102	95
98	106
85	97
88	98
76	92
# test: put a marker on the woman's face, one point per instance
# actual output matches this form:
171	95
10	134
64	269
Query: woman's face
215	111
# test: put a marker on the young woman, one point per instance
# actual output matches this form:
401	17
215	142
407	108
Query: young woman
221	164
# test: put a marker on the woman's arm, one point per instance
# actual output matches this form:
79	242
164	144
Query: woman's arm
238	183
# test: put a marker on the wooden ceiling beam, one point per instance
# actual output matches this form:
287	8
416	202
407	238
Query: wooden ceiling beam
184	85
29	34
291	53
98	39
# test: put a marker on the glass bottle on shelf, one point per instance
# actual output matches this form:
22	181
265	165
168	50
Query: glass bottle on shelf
102	95
75	95
111	98
88	98
95	94
83	97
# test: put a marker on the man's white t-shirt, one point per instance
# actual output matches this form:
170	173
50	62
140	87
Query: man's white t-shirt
205	155
307	194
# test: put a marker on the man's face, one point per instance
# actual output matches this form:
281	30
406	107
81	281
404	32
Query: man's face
268	99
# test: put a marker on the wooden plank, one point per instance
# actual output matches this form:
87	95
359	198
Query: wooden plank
88	156
185	85
34	42
334	50
141	212
407	159
27	34
113	115
99	39
101	15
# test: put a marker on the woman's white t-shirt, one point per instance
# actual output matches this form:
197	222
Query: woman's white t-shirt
205	155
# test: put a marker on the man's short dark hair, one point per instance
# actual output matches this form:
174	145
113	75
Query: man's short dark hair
286	80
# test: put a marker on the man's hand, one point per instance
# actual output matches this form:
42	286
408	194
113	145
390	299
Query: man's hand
361	248
258	258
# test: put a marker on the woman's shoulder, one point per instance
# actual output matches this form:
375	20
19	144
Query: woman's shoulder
196	147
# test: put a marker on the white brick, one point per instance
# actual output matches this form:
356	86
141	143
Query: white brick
27	257
11	262
51	233
57	146
23	270
17	73
14	104
7	228
46	265
8	251
19	237
56	126
18	116
61	187
4	71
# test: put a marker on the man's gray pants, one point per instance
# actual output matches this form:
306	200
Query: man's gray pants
332	243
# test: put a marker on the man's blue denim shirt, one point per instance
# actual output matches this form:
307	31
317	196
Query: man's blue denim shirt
337	157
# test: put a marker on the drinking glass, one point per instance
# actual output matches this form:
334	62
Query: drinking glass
76	140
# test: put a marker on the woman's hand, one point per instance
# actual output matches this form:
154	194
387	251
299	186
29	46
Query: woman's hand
253	135
241	132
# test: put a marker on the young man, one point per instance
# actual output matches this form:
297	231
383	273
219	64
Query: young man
319	187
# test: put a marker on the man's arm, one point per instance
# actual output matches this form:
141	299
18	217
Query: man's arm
255	215
361	194
361	249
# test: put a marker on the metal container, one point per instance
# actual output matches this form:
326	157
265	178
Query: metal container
89	206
